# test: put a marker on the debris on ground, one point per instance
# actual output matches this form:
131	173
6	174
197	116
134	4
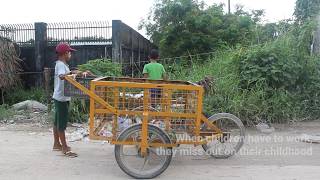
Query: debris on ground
78	134
22	117
207	83
265	128
310	138
77	125
30	105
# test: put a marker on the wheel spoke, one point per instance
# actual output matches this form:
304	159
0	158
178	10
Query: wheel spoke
155	153
144	163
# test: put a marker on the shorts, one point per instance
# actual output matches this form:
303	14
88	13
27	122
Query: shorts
61	116
155	93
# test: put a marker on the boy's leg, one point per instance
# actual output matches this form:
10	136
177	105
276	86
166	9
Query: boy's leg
66	150
155	95
62	137
56	142
63	117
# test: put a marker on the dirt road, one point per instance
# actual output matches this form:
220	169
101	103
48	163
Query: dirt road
25	153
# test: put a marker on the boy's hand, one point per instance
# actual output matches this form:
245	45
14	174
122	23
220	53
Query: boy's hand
86	73
62	76
165	77
77	72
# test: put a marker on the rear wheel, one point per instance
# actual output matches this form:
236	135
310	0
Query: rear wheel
156	160
232	139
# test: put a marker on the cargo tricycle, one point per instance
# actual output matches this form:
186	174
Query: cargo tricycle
146	119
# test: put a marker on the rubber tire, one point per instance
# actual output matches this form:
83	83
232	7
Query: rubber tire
139	127
235	119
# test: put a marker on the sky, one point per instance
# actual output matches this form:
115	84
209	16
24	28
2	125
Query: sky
130	12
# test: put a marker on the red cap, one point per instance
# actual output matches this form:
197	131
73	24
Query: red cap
63	48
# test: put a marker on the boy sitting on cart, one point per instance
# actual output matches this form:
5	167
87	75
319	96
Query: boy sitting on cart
154	71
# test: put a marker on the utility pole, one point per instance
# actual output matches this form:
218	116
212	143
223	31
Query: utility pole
229	7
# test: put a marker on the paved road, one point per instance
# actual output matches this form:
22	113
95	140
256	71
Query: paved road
26	154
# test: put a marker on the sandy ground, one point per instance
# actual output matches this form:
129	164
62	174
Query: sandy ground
25	153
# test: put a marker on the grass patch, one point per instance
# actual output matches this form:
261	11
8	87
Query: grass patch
5	112
271	98
20	94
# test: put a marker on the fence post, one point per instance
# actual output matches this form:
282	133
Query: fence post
40	50
132	55
46	75
116	41
139	52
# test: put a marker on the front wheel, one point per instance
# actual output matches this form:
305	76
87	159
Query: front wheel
232	139
153	163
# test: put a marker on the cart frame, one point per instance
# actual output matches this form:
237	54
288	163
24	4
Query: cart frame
200	119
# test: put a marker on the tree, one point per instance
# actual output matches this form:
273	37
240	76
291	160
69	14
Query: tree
306	10
181	27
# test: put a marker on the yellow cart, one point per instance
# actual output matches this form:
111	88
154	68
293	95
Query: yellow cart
145	119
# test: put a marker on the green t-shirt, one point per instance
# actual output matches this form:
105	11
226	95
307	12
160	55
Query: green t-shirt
154	71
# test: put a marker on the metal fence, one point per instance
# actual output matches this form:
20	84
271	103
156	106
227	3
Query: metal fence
93	40
22	34
75	33
80	33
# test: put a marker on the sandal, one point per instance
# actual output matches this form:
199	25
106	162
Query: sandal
70	154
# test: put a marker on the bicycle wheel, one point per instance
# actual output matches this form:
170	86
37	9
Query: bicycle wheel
232	139
153	163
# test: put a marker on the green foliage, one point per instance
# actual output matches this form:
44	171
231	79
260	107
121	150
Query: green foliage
79	111
262	72
271	31
5	112
183	27
304	37
276	81
20	94
306	10
278	67
102	67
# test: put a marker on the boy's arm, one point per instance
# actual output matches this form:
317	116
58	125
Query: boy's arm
77	72
83	74
164	74
61	71
145	72
62	75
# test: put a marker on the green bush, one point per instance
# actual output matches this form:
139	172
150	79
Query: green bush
5	112
267	75
102	67
79	111
269	83
183	27
20	94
